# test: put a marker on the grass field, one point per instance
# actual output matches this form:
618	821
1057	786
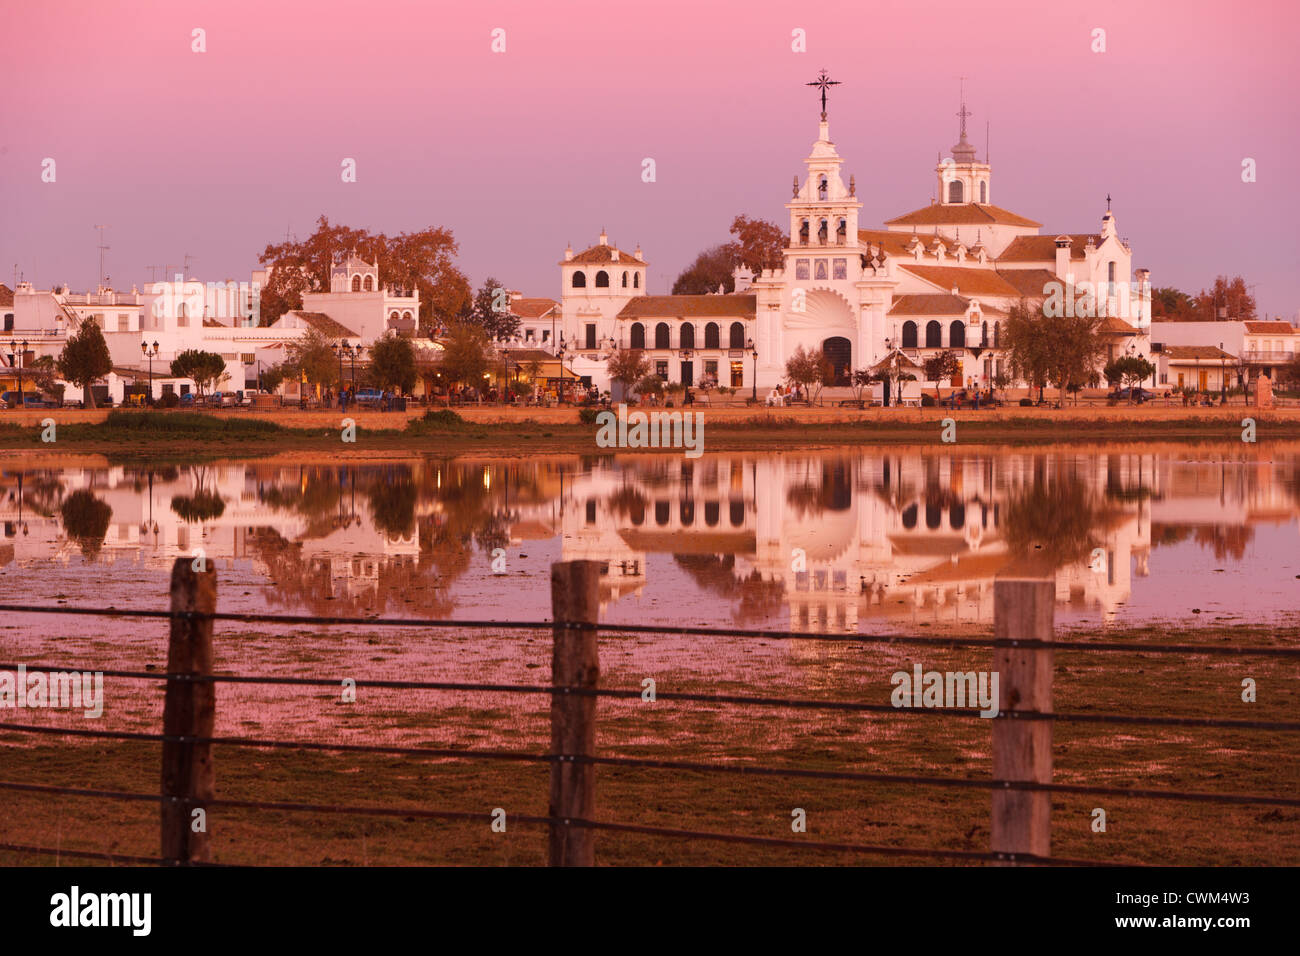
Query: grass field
903	742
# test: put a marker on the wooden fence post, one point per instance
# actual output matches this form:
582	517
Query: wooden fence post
1023	609
189	711
575	608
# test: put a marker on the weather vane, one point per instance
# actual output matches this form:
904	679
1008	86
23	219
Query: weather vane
824	82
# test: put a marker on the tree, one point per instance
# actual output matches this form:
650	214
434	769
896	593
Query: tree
43	372
205	368
85	517
1129	370
860	380
810	369
392	363
1172	305
85	359
1061	350
1230	295
491	311
422	261
272	378
710	270
311	354
759	244
650	384
466	354
941	365
627	367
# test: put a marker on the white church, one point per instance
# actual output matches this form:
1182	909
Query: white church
942	277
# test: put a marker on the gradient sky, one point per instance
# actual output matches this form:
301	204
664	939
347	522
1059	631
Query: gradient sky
216	154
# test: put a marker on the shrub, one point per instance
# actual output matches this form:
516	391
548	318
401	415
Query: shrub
434	421
1026	403
588	415
170	400
927	401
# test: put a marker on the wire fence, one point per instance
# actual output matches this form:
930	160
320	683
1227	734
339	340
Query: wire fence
1020	785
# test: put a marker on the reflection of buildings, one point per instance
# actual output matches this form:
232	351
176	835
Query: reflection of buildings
855	537
835	541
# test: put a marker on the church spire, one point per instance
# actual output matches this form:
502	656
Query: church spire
963	152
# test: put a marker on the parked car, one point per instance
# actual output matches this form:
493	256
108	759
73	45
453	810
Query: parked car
222	399
1138	395
369	396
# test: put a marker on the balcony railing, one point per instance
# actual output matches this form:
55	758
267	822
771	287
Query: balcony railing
1267	355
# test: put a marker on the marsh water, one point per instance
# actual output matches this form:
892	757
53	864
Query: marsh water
868	539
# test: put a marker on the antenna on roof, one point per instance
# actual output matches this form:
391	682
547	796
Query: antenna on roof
986	142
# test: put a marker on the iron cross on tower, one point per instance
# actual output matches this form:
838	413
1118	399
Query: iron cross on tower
824	82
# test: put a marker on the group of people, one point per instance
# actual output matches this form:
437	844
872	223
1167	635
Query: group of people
781	395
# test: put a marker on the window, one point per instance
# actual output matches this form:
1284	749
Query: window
819	269
638	335
711	369
687	336
984	192
1110	278
840	268
248	358
933	335
909	335
9	321
737	374
406	316
624	280
393	316
822	188
957	334
711	340
662	336
822	233
590	342
955	191
984	335
661	369
580	280
369	284
636	280
737	335
123	322
842	233
602	279
356	283
997	335
801	268
182	320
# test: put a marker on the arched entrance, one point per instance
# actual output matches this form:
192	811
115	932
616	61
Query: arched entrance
839	352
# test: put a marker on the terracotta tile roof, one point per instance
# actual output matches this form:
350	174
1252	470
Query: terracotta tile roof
1177	352
967	281
6	296
1265	328
1043	248
599	254
214	324
1029	282
1114	326
532	308
967	214
905	364
939	304
680	306
326	326
524	356
894	243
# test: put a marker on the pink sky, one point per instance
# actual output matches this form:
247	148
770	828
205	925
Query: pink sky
215	154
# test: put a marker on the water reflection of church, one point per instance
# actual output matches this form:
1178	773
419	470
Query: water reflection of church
852	538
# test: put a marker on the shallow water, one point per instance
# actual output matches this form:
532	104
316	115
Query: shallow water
861	539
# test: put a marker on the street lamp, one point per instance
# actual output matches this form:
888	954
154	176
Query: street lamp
754	353
1223	372
150	353
16	360
560	355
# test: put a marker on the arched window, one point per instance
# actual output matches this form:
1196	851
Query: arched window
711	340
957	516
822	232
662	336
638	335
580	280
984	192
737	335
602	279
663	510
933	515
356	283
687	337
711	513
909	517
933	335
737	509
954	191
407	316
686	512
957	334
984	336
909	335
636	280
822	188
369	284
1110	278
394	316
624	280
997	333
